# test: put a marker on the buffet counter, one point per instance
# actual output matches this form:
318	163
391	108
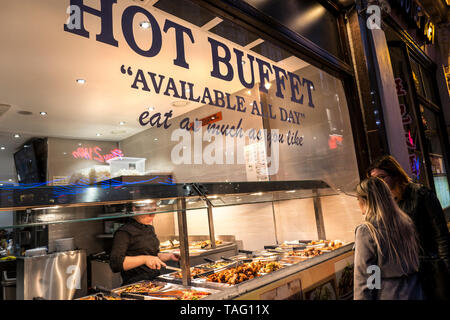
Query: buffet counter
267	275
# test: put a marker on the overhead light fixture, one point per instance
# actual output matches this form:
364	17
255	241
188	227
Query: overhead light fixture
156	139
43	113
122	123
98	134
145	24
2	148
16	136
10	180
81	81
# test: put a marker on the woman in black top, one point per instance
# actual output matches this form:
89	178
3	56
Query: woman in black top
135	251
424	208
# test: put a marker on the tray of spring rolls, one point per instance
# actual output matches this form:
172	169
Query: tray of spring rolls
159	290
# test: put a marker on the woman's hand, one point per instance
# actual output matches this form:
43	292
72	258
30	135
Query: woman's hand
169	256
154	262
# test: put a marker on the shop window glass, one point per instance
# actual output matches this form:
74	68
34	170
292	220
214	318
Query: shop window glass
416	77
121	120
405	97
434	145
428	84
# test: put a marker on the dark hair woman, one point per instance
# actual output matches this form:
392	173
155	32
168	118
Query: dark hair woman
386	242
424	208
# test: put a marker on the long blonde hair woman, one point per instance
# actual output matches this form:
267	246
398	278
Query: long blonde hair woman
386	240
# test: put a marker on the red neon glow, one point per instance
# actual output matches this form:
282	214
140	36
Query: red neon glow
94	154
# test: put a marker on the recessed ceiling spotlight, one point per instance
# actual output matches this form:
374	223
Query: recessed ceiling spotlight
43	113
17	136
145	24
156	139
10	180
2	148
81	81
98	134
122	123
80	144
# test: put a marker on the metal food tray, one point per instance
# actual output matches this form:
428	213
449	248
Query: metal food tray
191	247
165	285
173	279
221	286
181	287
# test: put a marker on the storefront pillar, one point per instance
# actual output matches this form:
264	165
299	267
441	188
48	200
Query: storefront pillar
388	98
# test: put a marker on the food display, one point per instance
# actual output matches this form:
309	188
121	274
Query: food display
142	287
244	272
169	244
194	272
100	297
187	294
217	264
326	244
306	253
203	244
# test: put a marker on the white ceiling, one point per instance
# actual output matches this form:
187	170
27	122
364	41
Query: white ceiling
40	62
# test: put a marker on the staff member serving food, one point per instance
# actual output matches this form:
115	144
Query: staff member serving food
135	251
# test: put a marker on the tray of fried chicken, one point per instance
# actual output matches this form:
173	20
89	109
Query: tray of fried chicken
243	272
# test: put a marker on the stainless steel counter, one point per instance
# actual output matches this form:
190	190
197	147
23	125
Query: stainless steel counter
56	276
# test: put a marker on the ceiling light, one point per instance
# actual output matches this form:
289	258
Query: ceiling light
43	113
145	24
10	180
2	148
122	123
16	136
81	81
156	139
98	134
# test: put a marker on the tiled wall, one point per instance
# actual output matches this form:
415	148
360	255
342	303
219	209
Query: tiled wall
84	232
